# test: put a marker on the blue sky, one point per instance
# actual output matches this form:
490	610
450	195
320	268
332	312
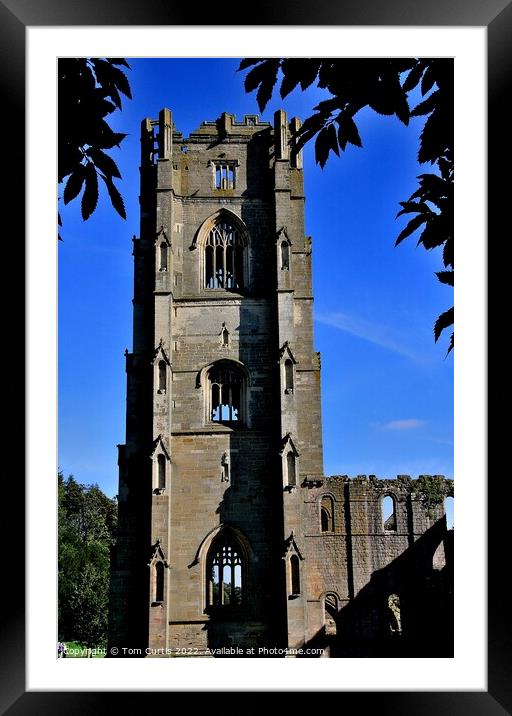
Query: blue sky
387	389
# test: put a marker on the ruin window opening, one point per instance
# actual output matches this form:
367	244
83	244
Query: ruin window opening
448	511
394	614
224	176
225	574
389	514
224	258
327	514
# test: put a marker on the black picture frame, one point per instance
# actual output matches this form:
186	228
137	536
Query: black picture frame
496	15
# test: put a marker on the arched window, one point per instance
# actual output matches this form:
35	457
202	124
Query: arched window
327	514
226	386
448	511
285	255
159	582
288	375
224	258
163	257
225	572
389	514
291	472
294	574
161	472
162	376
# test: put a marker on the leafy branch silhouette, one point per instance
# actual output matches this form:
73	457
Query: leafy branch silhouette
89	90
384	86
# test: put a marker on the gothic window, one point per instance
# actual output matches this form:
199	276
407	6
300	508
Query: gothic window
224	176
162	376
161	472
159	582
224	258
288	376
224	573
294	574
327	514
226	386
291	472
285	255
389	513
163	257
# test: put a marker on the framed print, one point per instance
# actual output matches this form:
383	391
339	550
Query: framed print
23	28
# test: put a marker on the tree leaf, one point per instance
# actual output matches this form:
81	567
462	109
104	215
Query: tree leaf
90	196
414	76
427	105
115	197
247	62
121	82
429	78
445	277
444	321
325	141
104	163
410	207
413	224
74	184
451	346
118	61
109	140
448	252
348	131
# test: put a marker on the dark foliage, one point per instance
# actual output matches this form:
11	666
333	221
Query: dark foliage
89	90
384	86
86	530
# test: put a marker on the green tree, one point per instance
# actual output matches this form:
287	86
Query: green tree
89	89
86	534
385	86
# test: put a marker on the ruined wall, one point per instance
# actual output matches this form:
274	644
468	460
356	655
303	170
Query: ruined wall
363	570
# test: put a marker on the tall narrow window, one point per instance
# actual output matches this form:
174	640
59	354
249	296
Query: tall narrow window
448	511
225	573
162	376
291	472
288	376
285	255
163	257
295	574
389	514
161	472
224	258
159	582
327	514
226	388
225	337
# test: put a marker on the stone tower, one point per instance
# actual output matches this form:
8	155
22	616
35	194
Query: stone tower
223	394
